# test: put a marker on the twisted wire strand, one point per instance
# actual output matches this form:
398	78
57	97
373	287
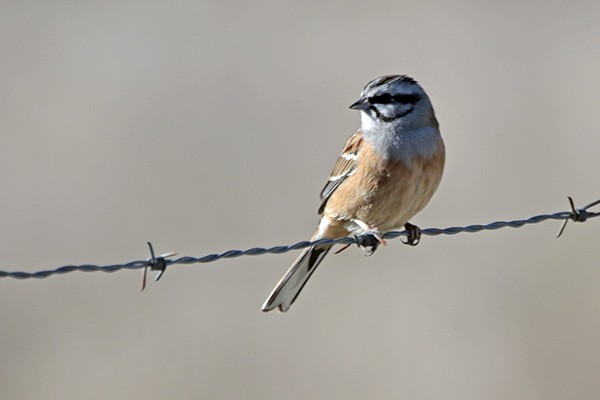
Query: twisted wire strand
579	215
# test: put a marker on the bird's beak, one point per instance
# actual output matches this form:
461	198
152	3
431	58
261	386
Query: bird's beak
361	104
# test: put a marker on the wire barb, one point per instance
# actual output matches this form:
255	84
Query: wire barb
160	263
577	214
155	264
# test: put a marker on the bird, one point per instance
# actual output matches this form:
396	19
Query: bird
386	173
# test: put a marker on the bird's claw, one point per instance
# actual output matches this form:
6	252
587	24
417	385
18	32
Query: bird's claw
414	234
369	242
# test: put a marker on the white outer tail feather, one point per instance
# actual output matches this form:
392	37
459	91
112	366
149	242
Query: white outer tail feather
289	287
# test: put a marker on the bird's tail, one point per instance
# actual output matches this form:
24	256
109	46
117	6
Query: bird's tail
289	287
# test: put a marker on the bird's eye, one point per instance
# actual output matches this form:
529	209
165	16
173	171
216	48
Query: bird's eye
384	98
406	98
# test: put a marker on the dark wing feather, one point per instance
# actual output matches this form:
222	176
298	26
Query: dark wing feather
344	167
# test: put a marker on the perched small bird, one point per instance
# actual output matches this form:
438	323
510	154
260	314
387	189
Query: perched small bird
387	172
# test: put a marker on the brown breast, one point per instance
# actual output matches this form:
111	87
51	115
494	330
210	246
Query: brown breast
386	194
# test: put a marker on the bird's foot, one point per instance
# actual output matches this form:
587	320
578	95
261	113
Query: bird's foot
414	234
369	241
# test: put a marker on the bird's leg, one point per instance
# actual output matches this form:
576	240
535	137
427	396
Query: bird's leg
370	239
414	234
363	241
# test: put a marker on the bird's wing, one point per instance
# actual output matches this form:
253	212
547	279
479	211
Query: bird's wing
344	167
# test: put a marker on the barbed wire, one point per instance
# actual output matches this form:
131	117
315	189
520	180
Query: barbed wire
161	262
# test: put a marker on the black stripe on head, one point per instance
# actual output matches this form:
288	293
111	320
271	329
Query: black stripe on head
407	79
388	79
386	98
390	119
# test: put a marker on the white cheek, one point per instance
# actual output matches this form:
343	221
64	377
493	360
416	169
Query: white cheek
366	121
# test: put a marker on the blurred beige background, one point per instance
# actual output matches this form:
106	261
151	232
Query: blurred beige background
208	126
